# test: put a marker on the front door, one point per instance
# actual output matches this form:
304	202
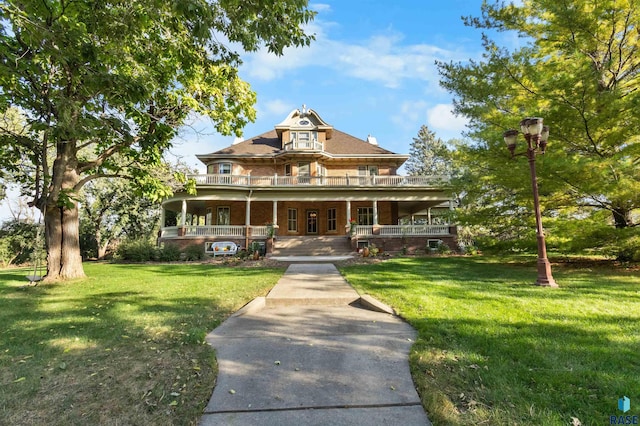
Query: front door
312	222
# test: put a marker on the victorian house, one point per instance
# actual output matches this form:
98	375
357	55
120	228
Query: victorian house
310	186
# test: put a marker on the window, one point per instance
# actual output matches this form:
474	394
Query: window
368	170
224	168
332	223
224	216
365	215
304	169
292	220
287	169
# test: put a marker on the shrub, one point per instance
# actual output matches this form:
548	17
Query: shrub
194	252
136	251
629	250
169	253
443	248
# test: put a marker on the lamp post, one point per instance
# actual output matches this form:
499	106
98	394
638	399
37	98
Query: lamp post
536	136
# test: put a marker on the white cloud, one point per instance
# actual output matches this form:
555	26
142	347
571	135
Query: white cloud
411	114
382	58
442	118
320	7
275	107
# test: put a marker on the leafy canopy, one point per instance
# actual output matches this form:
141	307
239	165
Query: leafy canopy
578	68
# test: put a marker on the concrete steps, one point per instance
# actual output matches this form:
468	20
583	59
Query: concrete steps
312	246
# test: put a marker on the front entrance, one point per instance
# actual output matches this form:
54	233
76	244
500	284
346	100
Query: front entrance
312	222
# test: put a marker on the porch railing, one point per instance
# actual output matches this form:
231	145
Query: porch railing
325	181
263	231
395	230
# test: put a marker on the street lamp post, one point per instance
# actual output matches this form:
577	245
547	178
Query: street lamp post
536	136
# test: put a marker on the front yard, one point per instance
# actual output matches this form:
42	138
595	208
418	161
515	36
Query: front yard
125	346
494	349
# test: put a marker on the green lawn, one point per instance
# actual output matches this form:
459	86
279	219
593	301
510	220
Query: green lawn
123	347
494	349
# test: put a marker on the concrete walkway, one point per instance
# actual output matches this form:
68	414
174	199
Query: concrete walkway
304	356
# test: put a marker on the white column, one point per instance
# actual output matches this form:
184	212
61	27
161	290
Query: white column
183	214
348	212
375	212
429	215
275	213
247	219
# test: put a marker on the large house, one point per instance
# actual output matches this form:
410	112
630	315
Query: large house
313	187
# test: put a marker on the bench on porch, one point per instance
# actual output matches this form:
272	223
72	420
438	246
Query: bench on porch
221	248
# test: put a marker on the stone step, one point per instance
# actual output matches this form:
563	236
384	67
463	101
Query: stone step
312	246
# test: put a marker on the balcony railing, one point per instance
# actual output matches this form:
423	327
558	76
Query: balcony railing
304	146
324	181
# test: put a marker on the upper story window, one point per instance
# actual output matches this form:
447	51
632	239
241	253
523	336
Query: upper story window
368	171
219	169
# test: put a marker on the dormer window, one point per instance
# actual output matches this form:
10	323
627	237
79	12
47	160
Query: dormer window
304	139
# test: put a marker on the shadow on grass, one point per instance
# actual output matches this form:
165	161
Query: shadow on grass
123	346
493	348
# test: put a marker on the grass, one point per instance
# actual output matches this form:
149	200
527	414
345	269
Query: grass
494	349
123	347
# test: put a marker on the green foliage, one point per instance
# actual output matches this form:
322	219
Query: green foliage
629	250
19	242
106	85
194	252
592	160
429	156
169	253
141	250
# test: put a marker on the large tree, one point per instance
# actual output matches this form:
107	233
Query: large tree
429	155
578	66
100	78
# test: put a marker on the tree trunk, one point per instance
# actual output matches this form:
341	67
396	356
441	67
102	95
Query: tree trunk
62	224
64	261
621	217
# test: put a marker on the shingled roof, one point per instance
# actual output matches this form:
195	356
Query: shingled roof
268	144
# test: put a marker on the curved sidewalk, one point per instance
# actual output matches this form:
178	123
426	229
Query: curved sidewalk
305	356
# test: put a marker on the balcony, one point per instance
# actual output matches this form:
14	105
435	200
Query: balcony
304	145
323	181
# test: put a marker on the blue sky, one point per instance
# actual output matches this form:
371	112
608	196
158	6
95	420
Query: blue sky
370	71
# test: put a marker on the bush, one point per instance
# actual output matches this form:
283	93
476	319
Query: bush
194	252
169	253
136	251
629	250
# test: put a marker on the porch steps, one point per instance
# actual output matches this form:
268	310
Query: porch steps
312	246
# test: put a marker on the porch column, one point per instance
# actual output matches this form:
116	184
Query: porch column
348	212
162	217
183	213
375	212
247	218
275	213
429	215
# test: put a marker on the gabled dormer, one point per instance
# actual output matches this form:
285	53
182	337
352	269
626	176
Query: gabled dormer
303	130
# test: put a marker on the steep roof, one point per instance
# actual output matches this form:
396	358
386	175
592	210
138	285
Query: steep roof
269	144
